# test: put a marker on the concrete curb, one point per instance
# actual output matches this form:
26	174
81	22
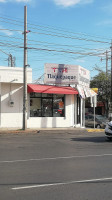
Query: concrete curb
50	130
36	130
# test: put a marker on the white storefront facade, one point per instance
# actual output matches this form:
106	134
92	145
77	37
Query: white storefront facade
75	76
51	107
58	103
11	96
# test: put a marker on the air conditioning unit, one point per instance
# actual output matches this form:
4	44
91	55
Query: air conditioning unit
11	103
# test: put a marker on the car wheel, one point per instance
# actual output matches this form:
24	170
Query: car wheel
109	138
98	126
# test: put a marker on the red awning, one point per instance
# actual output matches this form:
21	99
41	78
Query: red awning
51	89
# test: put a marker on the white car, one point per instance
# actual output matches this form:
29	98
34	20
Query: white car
108	130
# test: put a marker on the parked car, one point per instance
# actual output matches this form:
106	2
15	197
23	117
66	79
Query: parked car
100	121
108	130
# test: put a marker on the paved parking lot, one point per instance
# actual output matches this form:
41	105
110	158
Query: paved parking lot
55	165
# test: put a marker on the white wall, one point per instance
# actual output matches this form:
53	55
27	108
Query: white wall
11	89
52	122
14	74
11	116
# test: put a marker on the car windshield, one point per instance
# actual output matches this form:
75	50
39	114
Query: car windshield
101	117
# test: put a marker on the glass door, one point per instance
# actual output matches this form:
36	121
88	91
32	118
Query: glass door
47	110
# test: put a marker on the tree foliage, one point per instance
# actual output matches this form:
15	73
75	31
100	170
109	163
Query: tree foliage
102	82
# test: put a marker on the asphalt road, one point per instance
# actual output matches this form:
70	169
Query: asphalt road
59	165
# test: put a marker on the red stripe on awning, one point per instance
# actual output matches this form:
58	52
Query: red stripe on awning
51	89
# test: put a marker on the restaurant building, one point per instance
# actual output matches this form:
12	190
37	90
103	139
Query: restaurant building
58	103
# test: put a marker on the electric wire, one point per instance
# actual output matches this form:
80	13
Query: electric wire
47	48
62	35
49	27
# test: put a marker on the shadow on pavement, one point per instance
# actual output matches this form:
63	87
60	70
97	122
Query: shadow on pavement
93	139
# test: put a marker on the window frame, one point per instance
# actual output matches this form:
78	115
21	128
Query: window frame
41	96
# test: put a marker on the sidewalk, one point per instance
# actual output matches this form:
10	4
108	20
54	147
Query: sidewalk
45	130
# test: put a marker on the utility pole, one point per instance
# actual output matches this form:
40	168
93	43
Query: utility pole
110	108
11	60
106	81
106	63
25	72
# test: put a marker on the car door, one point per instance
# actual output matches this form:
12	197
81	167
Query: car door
86	120
91	120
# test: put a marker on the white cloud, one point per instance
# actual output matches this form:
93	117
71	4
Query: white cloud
107	8
105	23
5	31
80	61
68	3
2	1
14	1
25	1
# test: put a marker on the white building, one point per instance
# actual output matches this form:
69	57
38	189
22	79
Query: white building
11	96
47	105
51	106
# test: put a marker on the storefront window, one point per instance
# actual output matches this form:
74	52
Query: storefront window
58	106
47	105
35	107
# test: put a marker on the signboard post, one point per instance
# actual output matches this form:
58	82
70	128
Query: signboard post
94	101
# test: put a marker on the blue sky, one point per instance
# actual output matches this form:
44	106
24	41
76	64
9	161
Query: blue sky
62	31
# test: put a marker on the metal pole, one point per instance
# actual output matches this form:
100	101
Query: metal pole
81	113
106	63
110	108
11	60
106	83
84	113
94	109
25	71
106	104
111	73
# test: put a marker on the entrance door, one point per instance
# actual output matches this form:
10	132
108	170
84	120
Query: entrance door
78	110
47	110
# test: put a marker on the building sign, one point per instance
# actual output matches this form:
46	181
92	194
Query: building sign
66	74
95	90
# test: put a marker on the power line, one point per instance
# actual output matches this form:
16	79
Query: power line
49	48
49	27
59	34
63	51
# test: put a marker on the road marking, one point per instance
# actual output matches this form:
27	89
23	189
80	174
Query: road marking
63	183
55	158
95	130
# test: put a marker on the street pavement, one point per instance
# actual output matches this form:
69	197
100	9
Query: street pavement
55	164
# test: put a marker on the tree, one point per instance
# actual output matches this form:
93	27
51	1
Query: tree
102	82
